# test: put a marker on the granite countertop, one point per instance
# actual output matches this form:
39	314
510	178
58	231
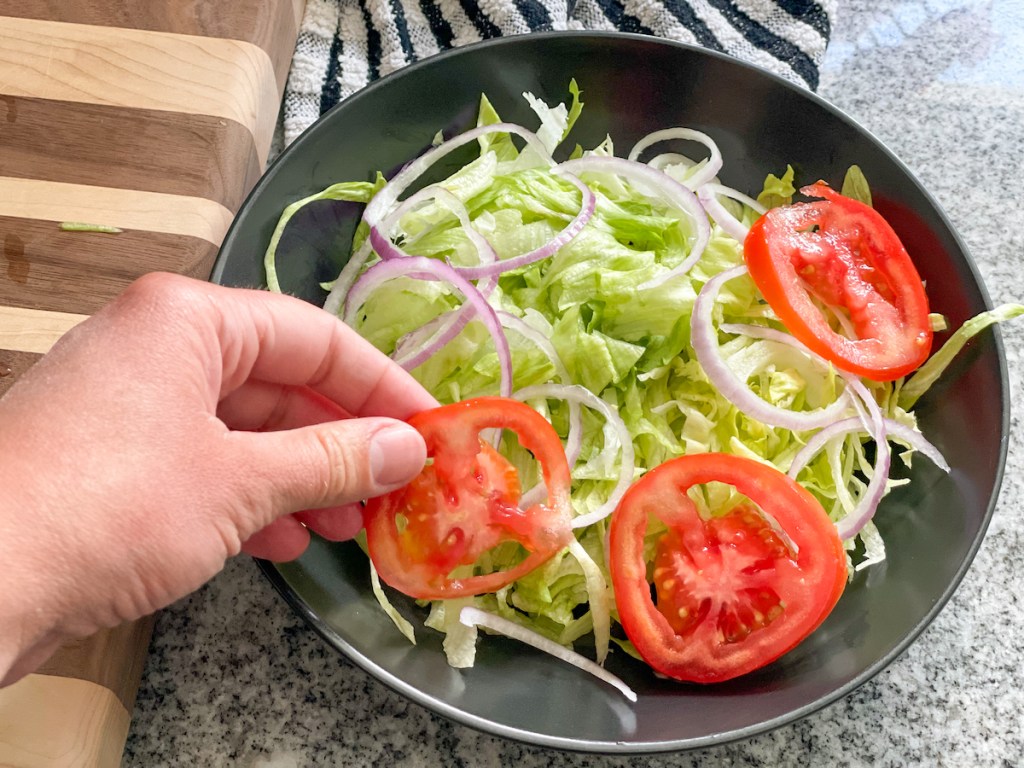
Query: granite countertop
234	678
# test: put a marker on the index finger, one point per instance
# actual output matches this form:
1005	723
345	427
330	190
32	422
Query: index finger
284	340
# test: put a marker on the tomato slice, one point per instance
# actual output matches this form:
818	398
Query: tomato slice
465	502
733	592
844	254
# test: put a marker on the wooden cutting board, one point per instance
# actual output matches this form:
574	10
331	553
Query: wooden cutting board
154	117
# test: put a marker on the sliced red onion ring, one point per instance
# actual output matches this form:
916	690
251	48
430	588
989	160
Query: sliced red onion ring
870	419
704	338
670	190
627	459
705	174
381	241
387	224
453	322
421	267
587	205
381	203
474	617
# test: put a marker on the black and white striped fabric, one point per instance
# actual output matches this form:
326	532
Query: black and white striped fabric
345	44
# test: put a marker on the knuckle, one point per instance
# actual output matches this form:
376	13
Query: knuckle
342	481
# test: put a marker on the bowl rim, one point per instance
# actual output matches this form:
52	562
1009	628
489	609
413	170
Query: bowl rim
623	748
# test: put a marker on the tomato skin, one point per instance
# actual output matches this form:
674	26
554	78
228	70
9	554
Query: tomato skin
465	502
853	259
805	584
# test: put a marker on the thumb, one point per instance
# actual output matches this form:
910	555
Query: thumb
333	463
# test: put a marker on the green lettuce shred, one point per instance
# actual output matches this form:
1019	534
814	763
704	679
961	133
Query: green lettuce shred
628	345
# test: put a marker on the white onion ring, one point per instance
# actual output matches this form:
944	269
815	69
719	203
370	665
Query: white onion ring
627	459
870	419
725	220
703	337
574	440
381	241
705	174
381	203
851	525
419	266
474	617
670	190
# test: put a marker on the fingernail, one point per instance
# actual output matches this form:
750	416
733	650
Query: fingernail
397	455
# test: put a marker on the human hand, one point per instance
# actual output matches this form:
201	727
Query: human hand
181	424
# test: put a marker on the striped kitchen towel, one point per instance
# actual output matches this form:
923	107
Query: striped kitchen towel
345	44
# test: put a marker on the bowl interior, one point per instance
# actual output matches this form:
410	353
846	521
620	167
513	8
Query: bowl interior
632	85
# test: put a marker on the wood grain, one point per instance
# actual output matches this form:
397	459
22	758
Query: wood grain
270	24
230	79
13	364
154	116
113	658
31	331
114	207
45	267
154	151
58	722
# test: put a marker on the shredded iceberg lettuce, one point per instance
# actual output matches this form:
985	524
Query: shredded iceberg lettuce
628	345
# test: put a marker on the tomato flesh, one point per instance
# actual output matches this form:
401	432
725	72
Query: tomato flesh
465	502
722	573
731	593
842	253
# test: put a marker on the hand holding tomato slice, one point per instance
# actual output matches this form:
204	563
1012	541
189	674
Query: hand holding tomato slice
465	502
733	592
846	255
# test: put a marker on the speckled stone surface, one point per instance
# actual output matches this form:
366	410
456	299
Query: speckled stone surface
234	679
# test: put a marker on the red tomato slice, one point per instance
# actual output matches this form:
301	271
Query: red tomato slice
734	592
845	254
466	502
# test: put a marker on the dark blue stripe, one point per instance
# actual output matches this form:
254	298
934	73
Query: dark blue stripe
768	41
373	48
398	14
331	92
483	25
616	13
534	14
684	14
810	13
439	26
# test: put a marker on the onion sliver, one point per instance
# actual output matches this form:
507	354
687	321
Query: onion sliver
705	174
670	190
735	194
725	220
852	523
453	322
703	336
381	203
380	238
421	267
574	440
869	419
627	457
474	617
347	278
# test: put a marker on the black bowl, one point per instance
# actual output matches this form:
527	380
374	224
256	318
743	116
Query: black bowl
632	85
